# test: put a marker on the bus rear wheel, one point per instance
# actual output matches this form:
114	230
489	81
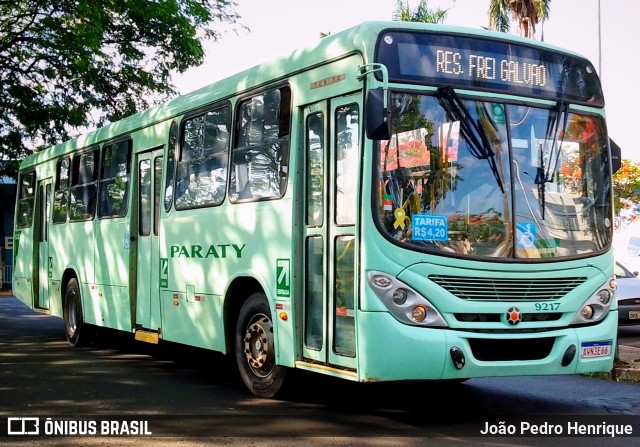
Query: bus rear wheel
255	348
72	313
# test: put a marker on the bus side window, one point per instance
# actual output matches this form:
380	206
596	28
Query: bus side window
315	169
61	193
26	197
171	162
261	156
82	203
202	170
347	131
114	179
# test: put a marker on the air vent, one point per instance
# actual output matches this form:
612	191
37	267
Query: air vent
510	350
492	289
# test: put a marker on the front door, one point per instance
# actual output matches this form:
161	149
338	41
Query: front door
332	133
149	184
44	260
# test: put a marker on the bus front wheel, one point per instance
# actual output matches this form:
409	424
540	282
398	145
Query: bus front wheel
72	313
255	348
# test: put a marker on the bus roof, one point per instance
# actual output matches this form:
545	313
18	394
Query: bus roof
358	39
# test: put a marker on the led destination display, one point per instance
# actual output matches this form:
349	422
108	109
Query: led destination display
487	67
487	64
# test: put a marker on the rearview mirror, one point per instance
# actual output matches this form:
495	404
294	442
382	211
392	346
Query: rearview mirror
377	118
616	156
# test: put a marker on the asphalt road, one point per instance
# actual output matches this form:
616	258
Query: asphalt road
190	397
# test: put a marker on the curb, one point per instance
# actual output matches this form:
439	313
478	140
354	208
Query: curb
629	369
620	375
626	367
625	374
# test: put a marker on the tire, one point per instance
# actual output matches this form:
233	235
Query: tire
72	313
255	348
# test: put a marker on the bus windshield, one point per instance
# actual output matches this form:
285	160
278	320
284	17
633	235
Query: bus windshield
477	178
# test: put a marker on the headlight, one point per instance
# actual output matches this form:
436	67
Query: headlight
399	296
604	296
586	312
596	307
404	303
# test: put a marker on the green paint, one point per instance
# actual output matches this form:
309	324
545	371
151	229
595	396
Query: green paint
283	277
164	273
16	246
219	251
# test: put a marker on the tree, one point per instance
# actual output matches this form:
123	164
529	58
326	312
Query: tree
527	14
626	184
68	64
422	13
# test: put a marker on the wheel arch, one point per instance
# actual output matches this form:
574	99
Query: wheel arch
69	273
240	289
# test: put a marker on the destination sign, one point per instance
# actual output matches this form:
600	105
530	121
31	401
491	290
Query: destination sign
510	70
488	64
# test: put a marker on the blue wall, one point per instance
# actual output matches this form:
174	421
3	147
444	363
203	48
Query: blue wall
7	211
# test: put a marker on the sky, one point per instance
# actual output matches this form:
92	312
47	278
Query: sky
605	31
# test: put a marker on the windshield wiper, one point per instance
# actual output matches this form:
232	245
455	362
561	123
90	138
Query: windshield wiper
545	175
472	131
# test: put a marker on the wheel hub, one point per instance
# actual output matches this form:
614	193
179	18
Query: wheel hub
256	345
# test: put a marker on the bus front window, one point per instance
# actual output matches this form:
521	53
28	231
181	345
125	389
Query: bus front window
487	179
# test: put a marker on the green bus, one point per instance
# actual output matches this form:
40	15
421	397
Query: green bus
400	201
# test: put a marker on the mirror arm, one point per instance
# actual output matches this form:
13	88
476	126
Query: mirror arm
366	69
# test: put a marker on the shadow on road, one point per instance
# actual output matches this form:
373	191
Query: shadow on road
42	375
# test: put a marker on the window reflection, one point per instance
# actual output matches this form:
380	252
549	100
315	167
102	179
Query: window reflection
487	179
347	132
261	155
202	171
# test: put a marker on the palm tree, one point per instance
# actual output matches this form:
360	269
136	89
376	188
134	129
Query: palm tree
527	13
422	13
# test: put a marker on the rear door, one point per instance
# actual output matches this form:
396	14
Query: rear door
44	261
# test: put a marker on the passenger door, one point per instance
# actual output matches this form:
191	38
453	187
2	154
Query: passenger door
149	185
44	265
332	133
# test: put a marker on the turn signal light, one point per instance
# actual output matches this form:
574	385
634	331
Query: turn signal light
418	314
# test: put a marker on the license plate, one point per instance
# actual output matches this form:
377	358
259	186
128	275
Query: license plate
634	315
595	349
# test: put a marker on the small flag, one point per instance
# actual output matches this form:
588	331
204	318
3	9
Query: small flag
388	203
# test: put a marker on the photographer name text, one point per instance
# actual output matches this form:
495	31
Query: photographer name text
564	429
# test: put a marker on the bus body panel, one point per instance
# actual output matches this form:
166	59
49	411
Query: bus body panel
204	257
106	306
22	271
329	80
111	309
391	351
193	319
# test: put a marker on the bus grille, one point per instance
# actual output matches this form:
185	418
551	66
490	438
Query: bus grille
493	289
